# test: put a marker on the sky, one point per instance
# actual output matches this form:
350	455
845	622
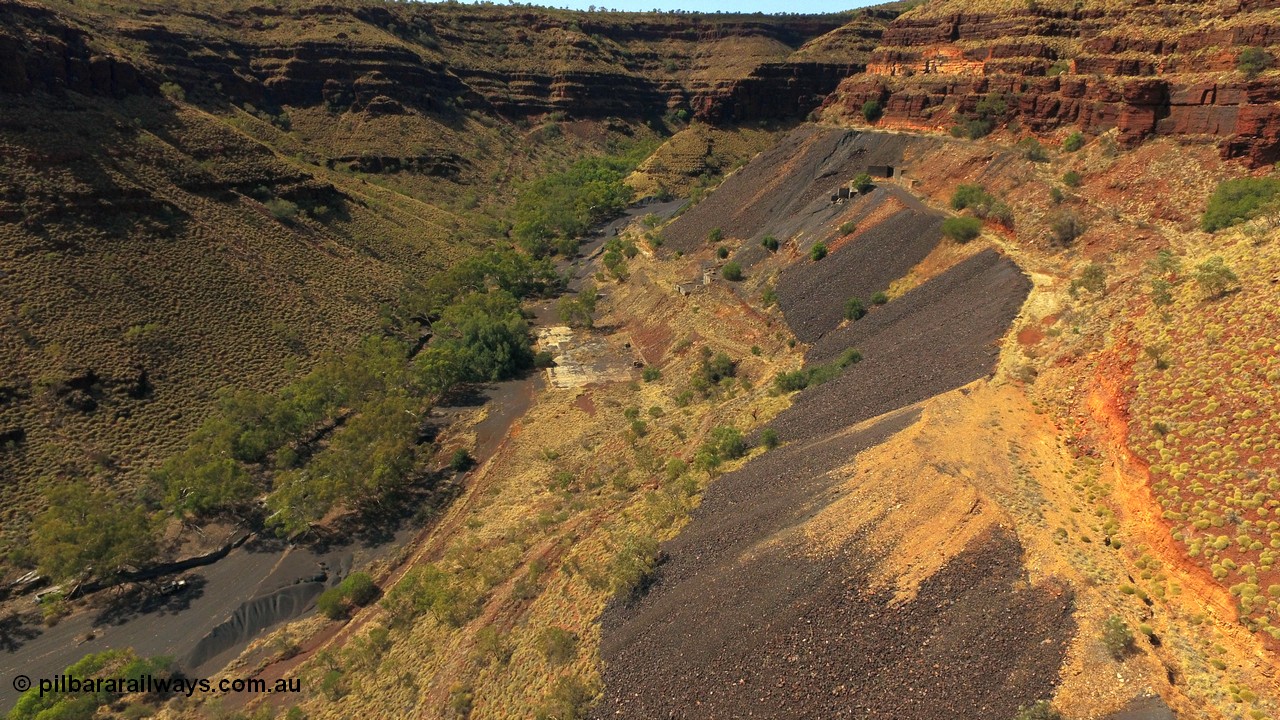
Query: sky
711	6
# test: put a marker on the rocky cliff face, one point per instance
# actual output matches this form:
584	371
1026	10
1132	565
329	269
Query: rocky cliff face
389	59
1141	68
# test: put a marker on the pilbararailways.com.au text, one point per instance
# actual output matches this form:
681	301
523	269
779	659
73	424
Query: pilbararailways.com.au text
156	685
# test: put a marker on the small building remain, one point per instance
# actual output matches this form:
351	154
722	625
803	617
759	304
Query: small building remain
883	171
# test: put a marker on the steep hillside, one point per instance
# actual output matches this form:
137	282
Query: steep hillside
195	199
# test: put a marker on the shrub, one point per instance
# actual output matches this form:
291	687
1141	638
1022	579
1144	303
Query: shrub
879	298
1074	142
631	570
854	309
1065	227
993	105
173	91
1093	278
356	590
818	252
650	374
715	236
568	700
727	442
1071	178
1056	195
871	110
816	375
1235	201
791	381
768	297
1032	150
770	243
962	229
862	183
359	588
982	203
848	227
769	438
968	195
1161	292
544	359
461	460
1038	710
559	646
974	128
461	700
1253	60
282	209
732	271
1116	636
577	311
722	252
1215	277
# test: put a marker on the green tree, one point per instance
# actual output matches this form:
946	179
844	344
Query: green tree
1074	142
862	183
818	252
577	311
199	482
1235	201
732	271
88	530
770	243
1161	292
1215	277
59	704
367	459
726	441
551	212
1165	263
490	334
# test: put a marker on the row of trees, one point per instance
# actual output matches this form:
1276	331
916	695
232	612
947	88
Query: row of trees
345	435
553	212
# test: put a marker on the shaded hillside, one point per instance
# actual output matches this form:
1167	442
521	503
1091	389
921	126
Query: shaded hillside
1193	71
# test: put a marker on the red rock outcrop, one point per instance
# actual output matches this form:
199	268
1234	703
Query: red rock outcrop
1098	67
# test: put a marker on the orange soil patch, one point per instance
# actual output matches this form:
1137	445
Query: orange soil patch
584	403
1132	486
1030	335
652	341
